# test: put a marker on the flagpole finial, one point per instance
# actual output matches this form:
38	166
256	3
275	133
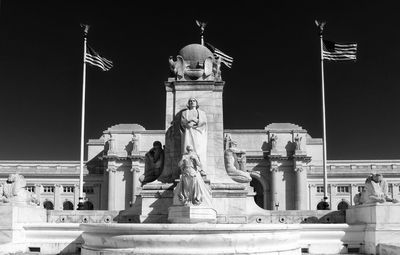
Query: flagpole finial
85	29
202	26
320	25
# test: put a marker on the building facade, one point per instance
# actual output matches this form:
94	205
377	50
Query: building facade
282	178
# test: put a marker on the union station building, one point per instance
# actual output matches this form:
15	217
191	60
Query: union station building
283	160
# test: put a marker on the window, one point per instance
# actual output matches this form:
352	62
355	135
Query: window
342	206
88	205
323	206
48	189
68	189
88	190
361	188
30	188
67	205
320	189
48	205
343	189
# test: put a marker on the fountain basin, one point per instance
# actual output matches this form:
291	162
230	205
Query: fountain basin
200	238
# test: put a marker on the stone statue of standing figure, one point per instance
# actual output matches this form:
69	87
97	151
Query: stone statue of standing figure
194	130
297	140
273	141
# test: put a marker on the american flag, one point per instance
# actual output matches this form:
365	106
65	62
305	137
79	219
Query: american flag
227	60
93	58
339	51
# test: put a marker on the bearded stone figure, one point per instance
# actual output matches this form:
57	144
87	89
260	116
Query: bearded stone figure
194	130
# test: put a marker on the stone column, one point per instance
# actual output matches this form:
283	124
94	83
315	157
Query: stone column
301	189
274	188
97	199
353	192
57	198
332	193
300	161
76	196
135	182
111	187
396	190
38	191
104	192
311	195
275	182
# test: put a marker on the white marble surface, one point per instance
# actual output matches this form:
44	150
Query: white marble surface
201	238
389	249
191	214
381	221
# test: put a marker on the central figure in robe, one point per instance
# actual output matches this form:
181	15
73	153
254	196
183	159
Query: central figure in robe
194	131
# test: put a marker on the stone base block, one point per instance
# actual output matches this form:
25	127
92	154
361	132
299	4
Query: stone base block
12	219
384	213
191	214
389	249
381	221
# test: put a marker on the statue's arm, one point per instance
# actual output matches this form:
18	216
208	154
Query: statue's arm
202	119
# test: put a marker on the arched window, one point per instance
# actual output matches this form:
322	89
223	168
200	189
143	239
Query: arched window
342	206
88	205
258	188
67	205
323	206
48	205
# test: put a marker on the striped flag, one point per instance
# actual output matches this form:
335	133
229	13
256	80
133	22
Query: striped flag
93	58
227	60
339	51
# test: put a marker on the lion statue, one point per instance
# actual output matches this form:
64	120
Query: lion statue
13	191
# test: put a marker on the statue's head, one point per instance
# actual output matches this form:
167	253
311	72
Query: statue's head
192	103
377	177
157	144
189	148
11	178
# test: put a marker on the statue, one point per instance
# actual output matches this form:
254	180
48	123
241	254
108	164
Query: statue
13	191
297	141
194	130
135	144
191	190
172	67
217	68
154	161
235	162
376	191
273	141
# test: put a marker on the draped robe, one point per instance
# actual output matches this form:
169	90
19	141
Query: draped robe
195	136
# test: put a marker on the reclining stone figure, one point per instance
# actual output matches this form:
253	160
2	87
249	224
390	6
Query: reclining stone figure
235	160
376	191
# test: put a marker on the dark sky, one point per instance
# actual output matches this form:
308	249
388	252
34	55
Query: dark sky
275	77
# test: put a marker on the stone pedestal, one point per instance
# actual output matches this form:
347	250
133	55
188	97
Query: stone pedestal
12	220
151	206
381	221
191	214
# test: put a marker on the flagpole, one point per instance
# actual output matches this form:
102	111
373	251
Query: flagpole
325	181
80	204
